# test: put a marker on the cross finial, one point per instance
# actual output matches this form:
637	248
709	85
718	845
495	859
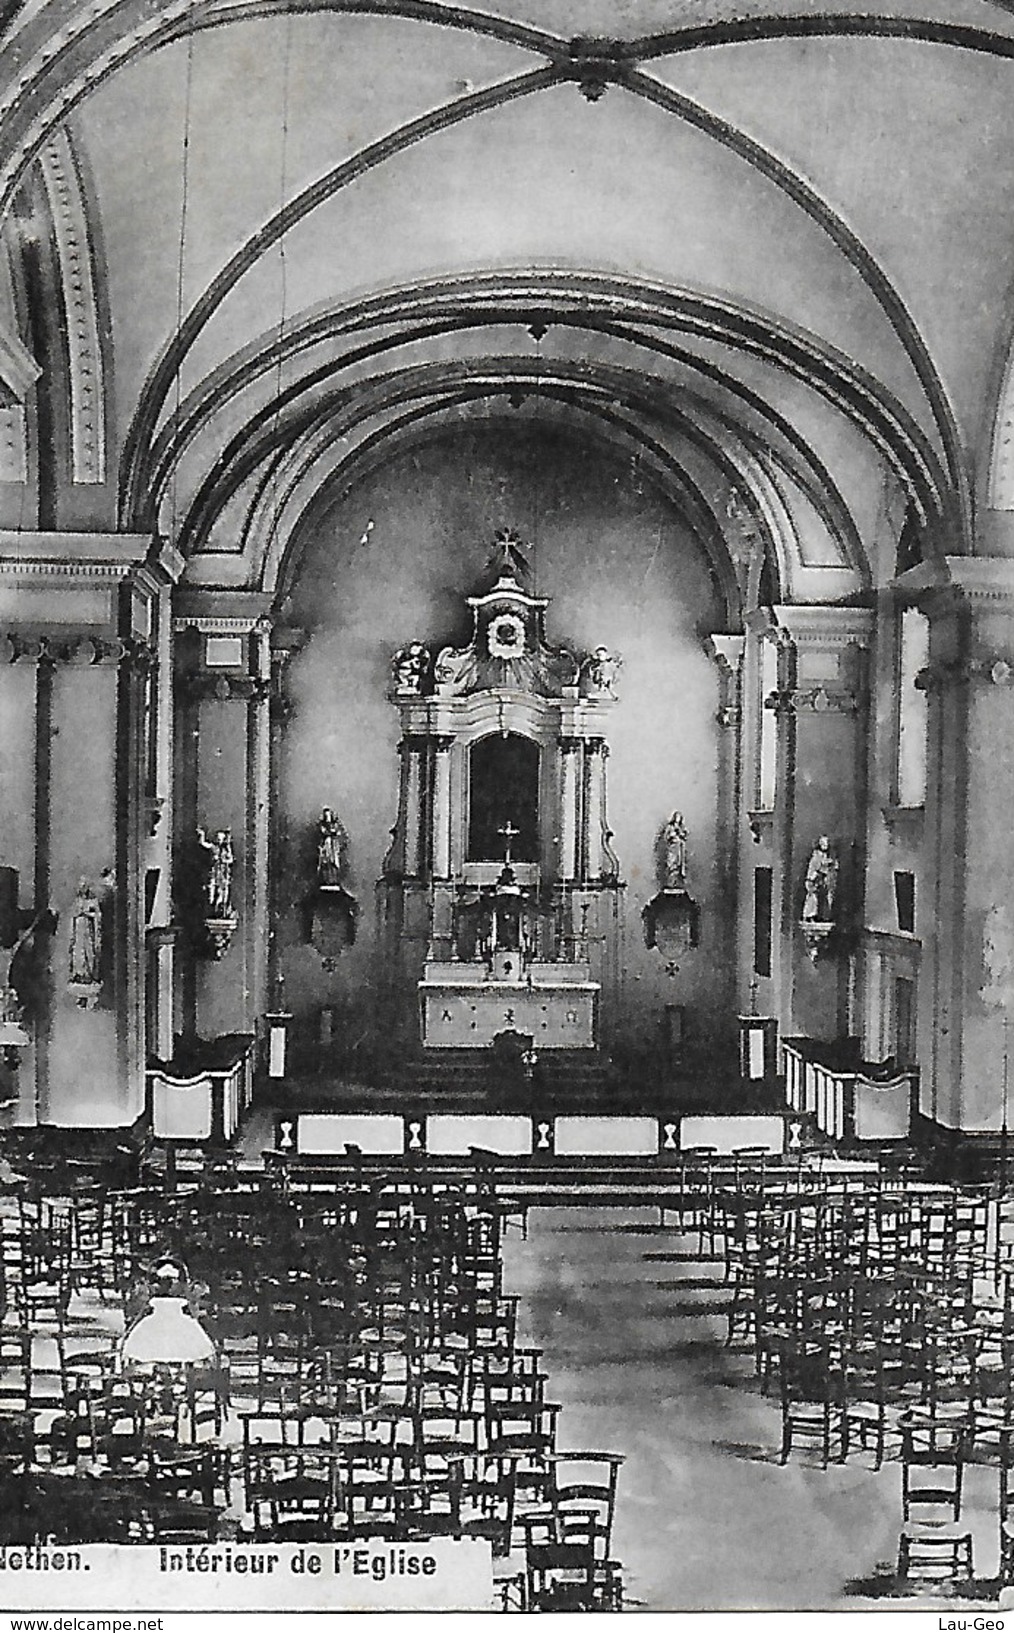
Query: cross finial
508	833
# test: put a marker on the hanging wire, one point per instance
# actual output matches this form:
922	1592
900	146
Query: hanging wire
181	260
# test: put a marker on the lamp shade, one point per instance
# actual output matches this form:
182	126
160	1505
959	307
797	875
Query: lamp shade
167	1333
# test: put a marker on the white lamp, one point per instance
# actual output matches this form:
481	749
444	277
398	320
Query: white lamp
168	1332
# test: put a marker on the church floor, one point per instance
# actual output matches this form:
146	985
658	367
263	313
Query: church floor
633	1334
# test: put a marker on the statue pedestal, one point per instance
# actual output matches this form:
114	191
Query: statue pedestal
461	1007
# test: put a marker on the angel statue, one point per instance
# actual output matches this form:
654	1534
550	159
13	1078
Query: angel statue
599	673
408	669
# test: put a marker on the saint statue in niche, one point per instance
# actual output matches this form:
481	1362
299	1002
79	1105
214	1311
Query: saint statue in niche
821	885
85	945
674	837
332	845
218	883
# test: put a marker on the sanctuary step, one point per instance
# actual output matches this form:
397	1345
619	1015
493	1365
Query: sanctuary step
564	1078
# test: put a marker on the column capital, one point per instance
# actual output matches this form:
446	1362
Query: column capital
726	651
206	684
989	669
80	647
286	641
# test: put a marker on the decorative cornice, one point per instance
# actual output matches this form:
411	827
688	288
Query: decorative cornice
952	580
210	625
71	558
84	349
221	612
821	626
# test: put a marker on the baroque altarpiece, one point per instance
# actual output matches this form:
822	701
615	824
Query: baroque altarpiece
501	897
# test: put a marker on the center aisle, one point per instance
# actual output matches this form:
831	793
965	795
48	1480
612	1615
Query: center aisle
633	1333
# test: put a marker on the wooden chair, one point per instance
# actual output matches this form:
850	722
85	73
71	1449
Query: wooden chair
563	1574
585	1483
812	1391
933	1456
935	1556
291	1492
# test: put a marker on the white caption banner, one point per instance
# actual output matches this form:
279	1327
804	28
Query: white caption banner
445	1574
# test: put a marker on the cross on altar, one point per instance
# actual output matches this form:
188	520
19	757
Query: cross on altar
508	833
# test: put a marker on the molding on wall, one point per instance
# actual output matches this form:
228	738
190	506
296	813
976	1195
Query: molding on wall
84	347
18	368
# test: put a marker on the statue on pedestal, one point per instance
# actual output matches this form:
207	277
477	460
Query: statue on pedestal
332	846
85	945
821	885
218	883
820	890
672	919
218	859
674	837
331	912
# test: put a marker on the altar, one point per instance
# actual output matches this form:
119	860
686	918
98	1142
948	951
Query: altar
501	878
462	1008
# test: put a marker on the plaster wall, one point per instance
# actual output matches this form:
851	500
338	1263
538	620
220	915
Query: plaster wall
84	1079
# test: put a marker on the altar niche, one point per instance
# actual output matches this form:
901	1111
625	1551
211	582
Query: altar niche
501	894
503	799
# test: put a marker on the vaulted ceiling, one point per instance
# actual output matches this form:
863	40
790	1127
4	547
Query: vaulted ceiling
765	250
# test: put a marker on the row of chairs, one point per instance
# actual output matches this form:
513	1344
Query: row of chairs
367	1381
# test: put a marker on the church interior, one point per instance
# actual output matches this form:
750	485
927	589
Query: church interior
506	761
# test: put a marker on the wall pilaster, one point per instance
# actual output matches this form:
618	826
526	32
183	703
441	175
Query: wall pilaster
223	684
81	615
968	933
